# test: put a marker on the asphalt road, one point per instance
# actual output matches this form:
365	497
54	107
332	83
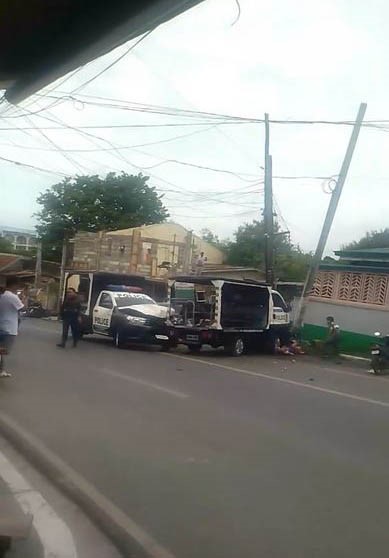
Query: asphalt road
215	457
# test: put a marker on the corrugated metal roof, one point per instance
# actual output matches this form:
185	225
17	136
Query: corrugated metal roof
372	254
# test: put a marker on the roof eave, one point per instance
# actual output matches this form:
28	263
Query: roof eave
130	28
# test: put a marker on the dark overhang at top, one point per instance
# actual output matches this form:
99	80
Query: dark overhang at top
42	40
364	254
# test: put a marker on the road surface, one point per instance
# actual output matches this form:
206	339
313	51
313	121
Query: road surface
215	457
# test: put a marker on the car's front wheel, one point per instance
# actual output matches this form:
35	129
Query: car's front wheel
119	340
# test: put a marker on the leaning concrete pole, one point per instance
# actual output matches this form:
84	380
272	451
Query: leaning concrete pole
329	217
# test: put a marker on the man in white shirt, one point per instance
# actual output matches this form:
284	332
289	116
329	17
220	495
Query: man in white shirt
201	260
10	305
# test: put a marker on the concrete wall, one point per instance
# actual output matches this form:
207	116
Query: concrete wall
141	250
175	233
360	320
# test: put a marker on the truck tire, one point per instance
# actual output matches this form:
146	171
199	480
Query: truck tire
119	340
194	348
237	346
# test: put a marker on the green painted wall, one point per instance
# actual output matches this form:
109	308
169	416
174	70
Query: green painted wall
350	342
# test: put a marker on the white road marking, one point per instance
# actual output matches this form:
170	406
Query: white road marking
89	492
364	376
283	380
56	538
128	378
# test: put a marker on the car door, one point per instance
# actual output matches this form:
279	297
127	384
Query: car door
102	313
280	310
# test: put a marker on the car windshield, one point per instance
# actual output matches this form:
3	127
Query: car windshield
131	299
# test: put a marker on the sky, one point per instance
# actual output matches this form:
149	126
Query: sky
306	60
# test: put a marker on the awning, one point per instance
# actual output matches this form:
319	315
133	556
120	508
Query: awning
42	40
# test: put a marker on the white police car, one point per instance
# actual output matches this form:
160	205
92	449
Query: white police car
129	316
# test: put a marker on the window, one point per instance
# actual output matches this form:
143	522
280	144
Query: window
106	301
374	289
348	286
131	299
21	240
278	302
324	285
363	287
108	250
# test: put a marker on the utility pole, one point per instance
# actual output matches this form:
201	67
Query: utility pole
38	265
335	196
62	272
268	209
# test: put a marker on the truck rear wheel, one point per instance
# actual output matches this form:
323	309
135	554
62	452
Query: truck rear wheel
194	348
237	346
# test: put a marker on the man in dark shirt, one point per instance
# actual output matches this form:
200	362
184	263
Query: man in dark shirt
70	315
331	344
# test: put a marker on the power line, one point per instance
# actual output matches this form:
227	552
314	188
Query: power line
113	126
118	154
174	138
174	111
52	142
109	66
221	216
34	167
157	109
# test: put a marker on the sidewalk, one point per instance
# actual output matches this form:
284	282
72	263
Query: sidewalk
40	520
17	537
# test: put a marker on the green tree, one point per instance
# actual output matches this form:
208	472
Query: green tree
291	264
209	236
372	239
5	245
92	203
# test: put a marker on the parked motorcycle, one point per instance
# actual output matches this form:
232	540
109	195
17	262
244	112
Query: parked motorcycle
36	310
380	354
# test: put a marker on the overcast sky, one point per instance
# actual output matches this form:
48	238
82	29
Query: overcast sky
294	60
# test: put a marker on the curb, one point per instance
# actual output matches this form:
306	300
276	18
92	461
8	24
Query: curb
353	357
129	538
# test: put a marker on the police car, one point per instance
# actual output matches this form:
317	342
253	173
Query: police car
130	316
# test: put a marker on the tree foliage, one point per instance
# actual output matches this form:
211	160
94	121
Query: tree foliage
248	248
5	245
372	239
92	203
209	236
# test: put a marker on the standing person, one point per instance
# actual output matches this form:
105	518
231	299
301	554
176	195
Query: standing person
201	260
70	315
331	344
10	305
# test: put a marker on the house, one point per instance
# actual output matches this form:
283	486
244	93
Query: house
354	290
9	263
22	268
21	239
151	250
